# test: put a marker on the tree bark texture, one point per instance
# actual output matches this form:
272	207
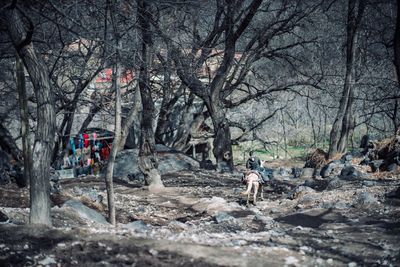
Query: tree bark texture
24	114
133	115
114	150
397	65
341	126
44	137
148	162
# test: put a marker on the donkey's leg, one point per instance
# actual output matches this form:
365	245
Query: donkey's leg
256	184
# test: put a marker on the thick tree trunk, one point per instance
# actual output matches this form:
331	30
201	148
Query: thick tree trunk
397	65
222	147
24	114
148	162
340	128
44	138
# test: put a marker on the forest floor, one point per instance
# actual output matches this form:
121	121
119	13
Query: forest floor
201	220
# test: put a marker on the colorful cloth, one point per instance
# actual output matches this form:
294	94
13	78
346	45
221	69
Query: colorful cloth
81	141
87	141
72	143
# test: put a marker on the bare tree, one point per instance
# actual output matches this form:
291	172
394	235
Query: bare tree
344	121
23	102
21	37
220	40
148	162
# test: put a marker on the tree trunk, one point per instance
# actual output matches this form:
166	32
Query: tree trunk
347	123
222	147
192	118
130	119
315	138
148	162
166	105
115	144
339	131
8	144
397	65
24	114
44	138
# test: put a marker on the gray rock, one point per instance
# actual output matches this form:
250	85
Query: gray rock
268	222
365	199
376	165
368	183
334	183
346	159
296	172
332	168
300	190
307	173
223	217
85	212
392	167
169	161
341	205
3	217
284	171
308	199
350	173
138	226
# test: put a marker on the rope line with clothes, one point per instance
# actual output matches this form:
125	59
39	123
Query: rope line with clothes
86	152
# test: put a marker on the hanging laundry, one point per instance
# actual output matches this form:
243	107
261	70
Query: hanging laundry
80	141
72	143
94	137
105	152
86	137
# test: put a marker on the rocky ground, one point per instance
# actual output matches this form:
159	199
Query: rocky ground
201	220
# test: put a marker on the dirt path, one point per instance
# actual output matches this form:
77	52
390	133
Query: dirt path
200	220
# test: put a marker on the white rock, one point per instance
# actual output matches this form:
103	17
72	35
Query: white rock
47	261
291	260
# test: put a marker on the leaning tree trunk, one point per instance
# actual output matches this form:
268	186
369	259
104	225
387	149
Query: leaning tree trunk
336	145
24	114
148	162
44	137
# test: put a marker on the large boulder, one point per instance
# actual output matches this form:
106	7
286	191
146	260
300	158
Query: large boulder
332	168
169	161
85	212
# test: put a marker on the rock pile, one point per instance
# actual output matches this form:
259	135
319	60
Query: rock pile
383	155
